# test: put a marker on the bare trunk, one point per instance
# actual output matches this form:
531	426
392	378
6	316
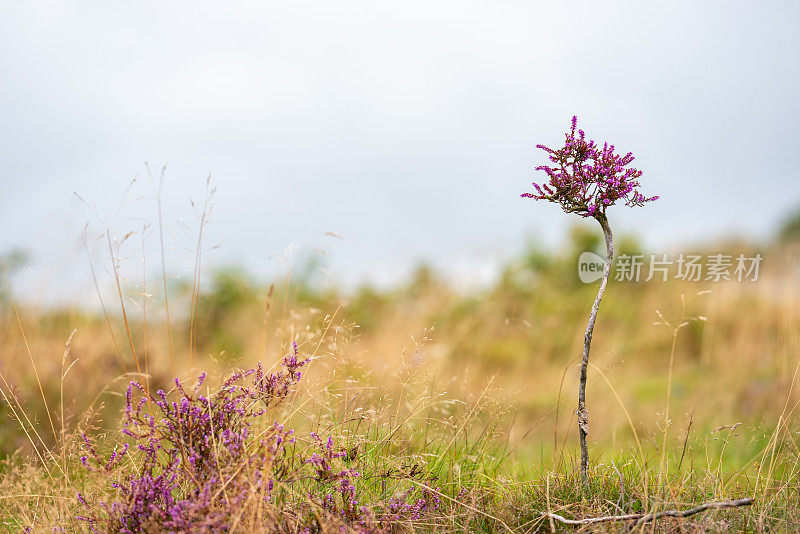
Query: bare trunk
583	414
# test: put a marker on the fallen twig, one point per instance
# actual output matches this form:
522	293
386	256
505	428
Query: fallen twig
644	518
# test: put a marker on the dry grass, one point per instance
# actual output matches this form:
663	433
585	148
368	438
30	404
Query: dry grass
477	391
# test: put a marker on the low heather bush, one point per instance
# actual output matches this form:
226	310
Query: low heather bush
193	462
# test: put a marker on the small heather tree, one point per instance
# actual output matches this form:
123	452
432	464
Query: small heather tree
586	179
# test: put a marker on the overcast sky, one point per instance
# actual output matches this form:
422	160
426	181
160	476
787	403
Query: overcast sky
406	127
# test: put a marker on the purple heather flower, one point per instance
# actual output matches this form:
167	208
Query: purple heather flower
586	179
196	461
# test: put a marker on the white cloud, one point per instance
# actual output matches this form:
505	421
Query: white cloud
409	127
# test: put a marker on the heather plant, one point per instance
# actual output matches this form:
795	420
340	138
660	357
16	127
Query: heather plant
586	180
201	461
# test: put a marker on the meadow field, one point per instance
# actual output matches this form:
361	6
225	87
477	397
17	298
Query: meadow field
419	408
367	267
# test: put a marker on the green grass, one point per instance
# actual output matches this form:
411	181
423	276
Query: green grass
470	396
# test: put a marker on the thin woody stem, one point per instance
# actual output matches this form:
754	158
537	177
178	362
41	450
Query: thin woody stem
582	413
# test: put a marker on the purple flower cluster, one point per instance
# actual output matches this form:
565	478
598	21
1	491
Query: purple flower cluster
586	179
195	451
329	474
403	508
198	462
336	494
